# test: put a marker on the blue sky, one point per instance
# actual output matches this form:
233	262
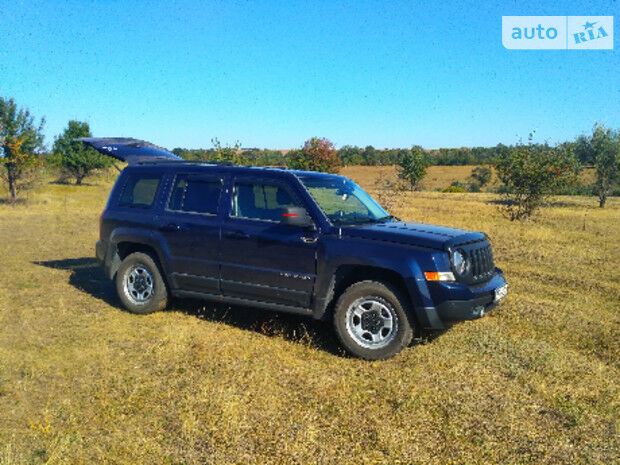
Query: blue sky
274	73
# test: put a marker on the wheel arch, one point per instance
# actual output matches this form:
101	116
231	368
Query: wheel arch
346	275
122	247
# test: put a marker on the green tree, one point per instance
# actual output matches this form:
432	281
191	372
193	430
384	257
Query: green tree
530	173
21	140
351	155
317	154
605	147
74	158
482	175
412	166
583	150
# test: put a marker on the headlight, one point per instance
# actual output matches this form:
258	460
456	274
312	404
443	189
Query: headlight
459	262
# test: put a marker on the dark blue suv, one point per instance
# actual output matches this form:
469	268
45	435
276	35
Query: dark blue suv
303	242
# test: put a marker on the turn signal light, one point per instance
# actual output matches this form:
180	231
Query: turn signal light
439	275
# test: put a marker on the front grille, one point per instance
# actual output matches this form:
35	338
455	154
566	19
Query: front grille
482	262
480	257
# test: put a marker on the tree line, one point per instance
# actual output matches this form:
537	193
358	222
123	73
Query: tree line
529	172
352	155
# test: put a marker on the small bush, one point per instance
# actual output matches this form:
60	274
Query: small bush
454	189
473	187
481	175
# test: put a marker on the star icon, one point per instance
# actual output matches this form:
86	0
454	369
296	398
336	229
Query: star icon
589	25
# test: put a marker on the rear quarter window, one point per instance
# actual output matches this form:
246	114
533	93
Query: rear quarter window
140	190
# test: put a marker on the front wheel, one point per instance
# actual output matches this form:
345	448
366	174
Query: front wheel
371	321
139	284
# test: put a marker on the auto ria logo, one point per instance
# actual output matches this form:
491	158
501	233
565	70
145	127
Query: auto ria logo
558	32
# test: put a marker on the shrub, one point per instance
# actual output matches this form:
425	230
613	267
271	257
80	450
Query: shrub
532	173
481	175
473	187
455	187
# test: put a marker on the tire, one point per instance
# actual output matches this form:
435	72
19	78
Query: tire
362	316
139	284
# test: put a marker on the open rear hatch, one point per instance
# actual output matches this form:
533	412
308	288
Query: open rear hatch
132	151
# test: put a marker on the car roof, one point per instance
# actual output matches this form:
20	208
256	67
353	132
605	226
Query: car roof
228	168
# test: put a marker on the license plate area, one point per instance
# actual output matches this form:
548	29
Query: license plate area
501	292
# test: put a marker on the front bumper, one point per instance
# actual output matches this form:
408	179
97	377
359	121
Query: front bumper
458	310
458	302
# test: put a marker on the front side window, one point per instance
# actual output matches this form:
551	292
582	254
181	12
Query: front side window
343	201
195	195
140	190
261	201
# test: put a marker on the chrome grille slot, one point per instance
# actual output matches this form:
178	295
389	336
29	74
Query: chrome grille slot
480	256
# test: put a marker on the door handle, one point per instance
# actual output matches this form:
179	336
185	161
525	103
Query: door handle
172	227
236	235
309	240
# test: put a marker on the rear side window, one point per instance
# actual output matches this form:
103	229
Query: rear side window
195	195
139	191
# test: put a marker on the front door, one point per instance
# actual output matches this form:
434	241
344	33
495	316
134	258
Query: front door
262	259
191	227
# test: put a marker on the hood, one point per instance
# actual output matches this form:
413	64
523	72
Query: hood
418	234
130	150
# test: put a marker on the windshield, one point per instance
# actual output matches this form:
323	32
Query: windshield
343	201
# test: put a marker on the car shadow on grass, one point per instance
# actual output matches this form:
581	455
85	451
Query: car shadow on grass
294	328
87	276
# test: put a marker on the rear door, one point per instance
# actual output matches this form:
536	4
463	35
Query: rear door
262	259
191	227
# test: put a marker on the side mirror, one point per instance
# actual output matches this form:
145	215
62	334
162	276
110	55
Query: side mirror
296	216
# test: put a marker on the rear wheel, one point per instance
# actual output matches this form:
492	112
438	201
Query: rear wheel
371	321
140	285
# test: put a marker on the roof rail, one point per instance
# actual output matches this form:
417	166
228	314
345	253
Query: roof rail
157	161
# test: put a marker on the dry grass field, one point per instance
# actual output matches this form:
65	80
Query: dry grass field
535	381
437	177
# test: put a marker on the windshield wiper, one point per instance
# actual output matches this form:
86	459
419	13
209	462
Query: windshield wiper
358	220
364	219
388	217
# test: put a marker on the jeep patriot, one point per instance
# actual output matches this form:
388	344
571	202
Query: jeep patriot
308	243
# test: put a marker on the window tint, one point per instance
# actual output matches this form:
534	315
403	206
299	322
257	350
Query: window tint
261	201
195	195
140	191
